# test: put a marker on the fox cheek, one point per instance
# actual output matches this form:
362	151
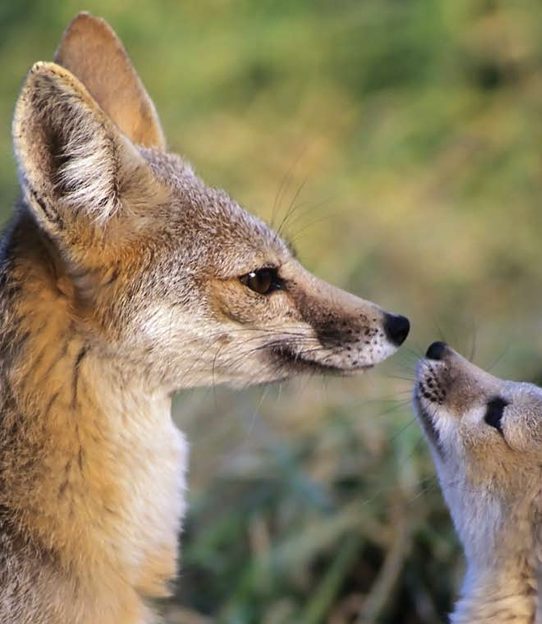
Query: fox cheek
230	301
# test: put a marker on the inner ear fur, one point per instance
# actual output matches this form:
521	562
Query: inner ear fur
73	161
91	50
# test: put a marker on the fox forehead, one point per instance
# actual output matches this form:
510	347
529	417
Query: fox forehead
205	224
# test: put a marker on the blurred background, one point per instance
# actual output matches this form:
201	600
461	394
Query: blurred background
400	142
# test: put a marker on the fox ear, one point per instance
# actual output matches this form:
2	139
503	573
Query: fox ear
73	161
91	51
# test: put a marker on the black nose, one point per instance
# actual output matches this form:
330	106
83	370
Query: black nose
436	350
396	328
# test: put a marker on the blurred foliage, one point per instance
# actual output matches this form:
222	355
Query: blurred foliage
398	142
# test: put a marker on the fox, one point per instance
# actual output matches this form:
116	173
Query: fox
124	279
485	437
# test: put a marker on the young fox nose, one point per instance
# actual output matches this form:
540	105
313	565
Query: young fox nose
396	328
436	351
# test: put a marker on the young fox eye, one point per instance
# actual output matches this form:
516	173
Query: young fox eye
263	281
494	413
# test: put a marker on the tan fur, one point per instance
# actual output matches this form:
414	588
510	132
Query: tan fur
491	476
121	281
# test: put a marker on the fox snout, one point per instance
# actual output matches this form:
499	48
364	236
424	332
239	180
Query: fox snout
444	377
335	331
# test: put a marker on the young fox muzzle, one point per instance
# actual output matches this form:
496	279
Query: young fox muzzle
124	278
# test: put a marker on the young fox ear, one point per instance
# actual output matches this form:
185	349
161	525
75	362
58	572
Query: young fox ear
91	51
73	161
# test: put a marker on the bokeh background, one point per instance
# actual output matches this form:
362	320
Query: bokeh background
400	143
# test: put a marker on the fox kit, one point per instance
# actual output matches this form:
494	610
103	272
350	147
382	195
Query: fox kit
485	436
124	278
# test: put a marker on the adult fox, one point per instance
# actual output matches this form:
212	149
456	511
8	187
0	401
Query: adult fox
124	278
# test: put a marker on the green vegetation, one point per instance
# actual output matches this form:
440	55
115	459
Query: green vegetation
400	141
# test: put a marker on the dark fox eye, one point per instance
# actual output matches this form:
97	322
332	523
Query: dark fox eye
494	413
262	281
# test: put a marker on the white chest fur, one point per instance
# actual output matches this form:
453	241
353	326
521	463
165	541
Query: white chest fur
150	456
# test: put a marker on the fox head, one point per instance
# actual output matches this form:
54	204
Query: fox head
159	270
485	435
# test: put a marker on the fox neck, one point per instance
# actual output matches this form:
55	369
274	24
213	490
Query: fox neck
82	432
504	591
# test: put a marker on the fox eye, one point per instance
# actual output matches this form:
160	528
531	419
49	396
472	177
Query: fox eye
263	281
494	413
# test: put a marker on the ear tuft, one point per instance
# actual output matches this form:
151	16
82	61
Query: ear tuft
91	50
72	160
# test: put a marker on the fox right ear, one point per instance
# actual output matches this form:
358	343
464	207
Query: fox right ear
91	50
74	164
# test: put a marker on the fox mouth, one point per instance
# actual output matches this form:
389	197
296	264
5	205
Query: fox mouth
285	356
426	416
429	396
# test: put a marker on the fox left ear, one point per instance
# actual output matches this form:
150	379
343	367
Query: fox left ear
93	53
76	168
